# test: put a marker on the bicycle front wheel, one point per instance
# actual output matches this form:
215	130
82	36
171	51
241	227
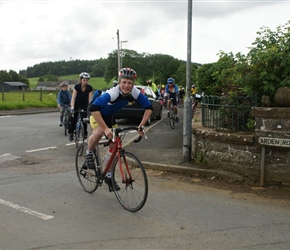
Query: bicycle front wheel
80	133
65	122
130	175
172	118
87	177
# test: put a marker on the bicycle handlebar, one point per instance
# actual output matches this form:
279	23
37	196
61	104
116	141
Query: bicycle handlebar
117	131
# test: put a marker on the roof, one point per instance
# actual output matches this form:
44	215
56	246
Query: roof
56	84
47	84
16	83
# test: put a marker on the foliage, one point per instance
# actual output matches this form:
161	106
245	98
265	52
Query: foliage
12	76
261	72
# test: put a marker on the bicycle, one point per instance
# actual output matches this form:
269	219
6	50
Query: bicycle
79	132
172	115
127	171
66	114
195	99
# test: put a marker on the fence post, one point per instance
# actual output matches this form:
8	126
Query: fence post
40	95
3	94
23	94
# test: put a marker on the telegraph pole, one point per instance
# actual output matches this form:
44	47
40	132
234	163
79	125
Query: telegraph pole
119	59
187	115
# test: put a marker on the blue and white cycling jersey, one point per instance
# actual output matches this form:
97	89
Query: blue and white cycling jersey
113	100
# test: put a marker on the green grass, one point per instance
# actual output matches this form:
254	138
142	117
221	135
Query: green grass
44	99
22	100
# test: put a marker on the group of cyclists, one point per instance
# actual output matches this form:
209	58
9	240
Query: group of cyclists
103	105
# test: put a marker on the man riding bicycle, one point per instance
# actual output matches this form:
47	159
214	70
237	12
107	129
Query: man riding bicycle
103	109
171	91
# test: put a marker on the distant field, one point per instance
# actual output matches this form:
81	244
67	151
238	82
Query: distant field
28	99
41	99
95	82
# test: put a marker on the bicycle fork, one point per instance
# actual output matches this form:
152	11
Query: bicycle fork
126	177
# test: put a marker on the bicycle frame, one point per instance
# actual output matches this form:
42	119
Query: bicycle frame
116	151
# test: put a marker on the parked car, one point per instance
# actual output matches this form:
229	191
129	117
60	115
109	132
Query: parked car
134	111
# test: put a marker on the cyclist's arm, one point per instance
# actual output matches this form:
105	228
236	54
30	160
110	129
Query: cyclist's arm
58	100
144	101
166	89
73	98
146	116
90	96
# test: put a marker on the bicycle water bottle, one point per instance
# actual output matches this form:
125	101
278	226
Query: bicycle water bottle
108	154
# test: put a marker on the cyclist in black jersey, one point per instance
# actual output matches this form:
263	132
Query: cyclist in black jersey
81	96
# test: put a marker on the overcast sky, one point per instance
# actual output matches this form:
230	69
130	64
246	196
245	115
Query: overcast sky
40	31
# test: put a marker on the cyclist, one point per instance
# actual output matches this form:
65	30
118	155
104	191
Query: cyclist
181	96
193	90
153	87
104	107
63	99
171	90
81	96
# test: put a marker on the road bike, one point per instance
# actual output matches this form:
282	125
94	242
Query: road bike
195	100
127	171
66	115
79	132
172	115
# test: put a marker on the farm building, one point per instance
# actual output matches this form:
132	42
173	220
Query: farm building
71	83
46	86
12	86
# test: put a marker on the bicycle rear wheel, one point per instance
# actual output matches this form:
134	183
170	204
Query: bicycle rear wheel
88	178
172	118
134	187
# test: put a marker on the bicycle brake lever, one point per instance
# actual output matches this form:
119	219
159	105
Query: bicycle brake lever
143	129
113	139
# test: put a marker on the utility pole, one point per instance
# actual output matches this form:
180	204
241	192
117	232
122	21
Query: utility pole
187	115
119	60
121	53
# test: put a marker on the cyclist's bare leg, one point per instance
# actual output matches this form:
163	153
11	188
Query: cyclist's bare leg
175	109
168	104
93	141
95	137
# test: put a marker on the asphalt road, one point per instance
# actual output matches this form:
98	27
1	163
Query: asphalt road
42	205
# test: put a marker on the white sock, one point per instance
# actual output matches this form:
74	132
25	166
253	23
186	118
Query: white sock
109	174
89	152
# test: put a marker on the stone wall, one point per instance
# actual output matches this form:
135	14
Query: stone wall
241	153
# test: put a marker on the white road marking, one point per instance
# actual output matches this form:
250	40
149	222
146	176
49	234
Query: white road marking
26	210
4	155
5	116
69	144
8	157
39	149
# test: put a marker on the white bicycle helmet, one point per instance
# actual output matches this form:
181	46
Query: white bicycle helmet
63	84
128	73
85	75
